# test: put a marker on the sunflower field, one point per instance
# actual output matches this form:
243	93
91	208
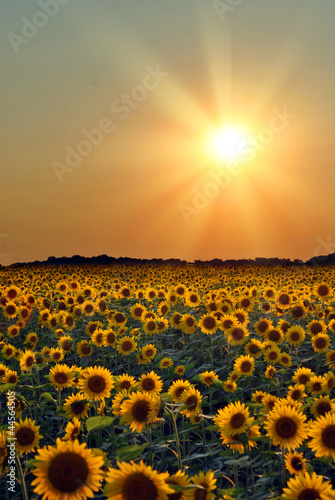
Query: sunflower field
166	382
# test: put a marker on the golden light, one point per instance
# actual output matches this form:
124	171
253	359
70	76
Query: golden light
227	143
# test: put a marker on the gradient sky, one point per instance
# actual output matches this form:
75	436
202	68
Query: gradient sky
147	190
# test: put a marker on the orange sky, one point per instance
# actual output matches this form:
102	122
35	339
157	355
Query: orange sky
107	108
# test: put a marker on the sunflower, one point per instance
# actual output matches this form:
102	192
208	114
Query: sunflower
149	351
205	484
177	388
208	378
61	376
150	382
245	365
233	419
323	291
109	338
208	324
26	435
315	385
237	335
229	386
179	479
165	363
274	335
286	427
163	308
125	382
296	392
10	377
27	361
192	299
284	300
72	430
56	354
262	325
12	292
307	487
8	351
96	383
188	324
295	462
10	310
139	409
322	433
76	406
192	399
150	326
241	315
136	482
180	370
98	338
258	396
295	335
3	369
320	342
285	359
67	471
228	321
84	348
302	375
269	293
234	442
175	320
253	348
126	346
322	405
269	401
272	354
13	331
316	326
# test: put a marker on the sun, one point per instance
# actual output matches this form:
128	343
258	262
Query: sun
227	143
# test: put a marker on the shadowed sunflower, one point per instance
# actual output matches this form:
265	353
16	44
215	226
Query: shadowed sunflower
295	335
179	479
67	471
10	377
321	406
136	482
286	427
61	376
322	433
140	409
234	443
208	324
26	435
192	399
208	378
233	419
315	385
262	325
302	375
237	335
109	338
149	351
177	388
323	291
254	348
165	363
295	463
84	348
320	342
229	386
27	361
76	405
56	354
150	382
188	324
72	430
205	483
307	487
316	326
117	401
96	383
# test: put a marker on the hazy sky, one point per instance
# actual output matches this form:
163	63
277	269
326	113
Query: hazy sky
106	110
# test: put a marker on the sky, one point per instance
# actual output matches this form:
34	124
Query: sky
107	113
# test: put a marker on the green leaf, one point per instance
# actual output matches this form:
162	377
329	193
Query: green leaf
6	387
47	397
98	423
130	452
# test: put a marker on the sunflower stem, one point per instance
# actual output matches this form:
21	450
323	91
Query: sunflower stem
174	423
58	406
22	480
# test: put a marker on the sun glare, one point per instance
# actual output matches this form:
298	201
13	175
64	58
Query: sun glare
227	144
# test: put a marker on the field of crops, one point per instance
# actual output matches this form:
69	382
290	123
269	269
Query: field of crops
163	382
